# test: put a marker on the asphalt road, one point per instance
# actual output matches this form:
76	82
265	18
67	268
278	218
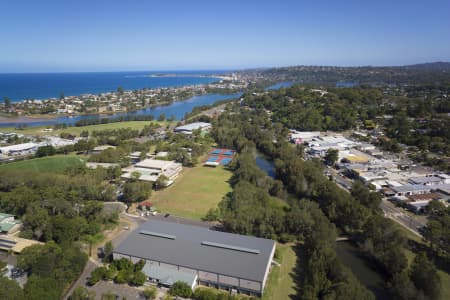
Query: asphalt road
397	214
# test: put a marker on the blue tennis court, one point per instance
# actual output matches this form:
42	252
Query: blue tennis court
212	158
229	152
225	161
216	151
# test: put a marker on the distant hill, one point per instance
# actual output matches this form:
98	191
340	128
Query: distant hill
426	73
433	66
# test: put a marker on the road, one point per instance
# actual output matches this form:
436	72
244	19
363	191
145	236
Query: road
397	214
82	280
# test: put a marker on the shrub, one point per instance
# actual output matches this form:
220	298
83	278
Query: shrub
97	275
181	289
139	278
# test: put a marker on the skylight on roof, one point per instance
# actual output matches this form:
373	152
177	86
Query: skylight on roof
158	234
230	247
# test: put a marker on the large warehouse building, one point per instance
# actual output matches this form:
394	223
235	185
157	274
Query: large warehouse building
212	258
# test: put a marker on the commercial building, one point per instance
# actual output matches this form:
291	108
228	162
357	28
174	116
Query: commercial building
20	149
202	256
15	244
408	190
151	169
428	180
189	128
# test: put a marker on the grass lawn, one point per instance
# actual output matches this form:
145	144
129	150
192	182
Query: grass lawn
194	192
57	163
77	130
280	284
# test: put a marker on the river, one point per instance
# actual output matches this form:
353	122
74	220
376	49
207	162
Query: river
177	109
348	254
373	281
266	165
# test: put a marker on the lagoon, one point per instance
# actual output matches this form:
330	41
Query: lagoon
177	109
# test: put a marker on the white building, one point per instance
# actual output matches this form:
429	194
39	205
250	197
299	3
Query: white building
189	128
20	149
151	169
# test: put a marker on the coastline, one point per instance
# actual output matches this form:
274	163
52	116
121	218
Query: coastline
42	117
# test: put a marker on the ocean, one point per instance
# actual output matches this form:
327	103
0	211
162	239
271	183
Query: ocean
23	86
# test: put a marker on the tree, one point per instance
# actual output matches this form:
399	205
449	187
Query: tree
401	288
120	90
139	278
123	276
45	151
38	288
10	289
139	265
6	102
367	198
150	292
97	274
82	293
161	181
331	156
425	277
136	191
108	250
84	133
162	117
181	289
204	294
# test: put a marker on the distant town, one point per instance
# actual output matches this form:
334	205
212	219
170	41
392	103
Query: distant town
116	101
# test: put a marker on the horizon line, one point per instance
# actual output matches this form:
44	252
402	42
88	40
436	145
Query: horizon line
226	69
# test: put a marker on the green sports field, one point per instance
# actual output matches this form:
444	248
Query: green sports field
90	128
194	192
57	163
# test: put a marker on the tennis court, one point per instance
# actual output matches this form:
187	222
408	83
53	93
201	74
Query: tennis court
220	156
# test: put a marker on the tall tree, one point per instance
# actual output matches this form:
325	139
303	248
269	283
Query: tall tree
425	277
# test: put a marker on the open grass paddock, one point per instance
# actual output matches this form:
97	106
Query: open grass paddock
57	164
194	192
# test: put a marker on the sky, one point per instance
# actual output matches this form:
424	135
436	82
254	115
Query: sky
98	35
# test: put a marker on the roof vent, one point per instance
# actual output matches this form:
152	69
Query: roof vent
229	247
157	234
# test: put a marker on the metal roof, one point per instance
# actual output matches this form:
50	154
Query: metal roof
229	254
168	276
427	179
192	126
410	188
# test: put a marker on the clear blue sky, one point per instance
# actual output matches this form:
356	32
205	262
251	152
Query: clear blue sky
95	35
